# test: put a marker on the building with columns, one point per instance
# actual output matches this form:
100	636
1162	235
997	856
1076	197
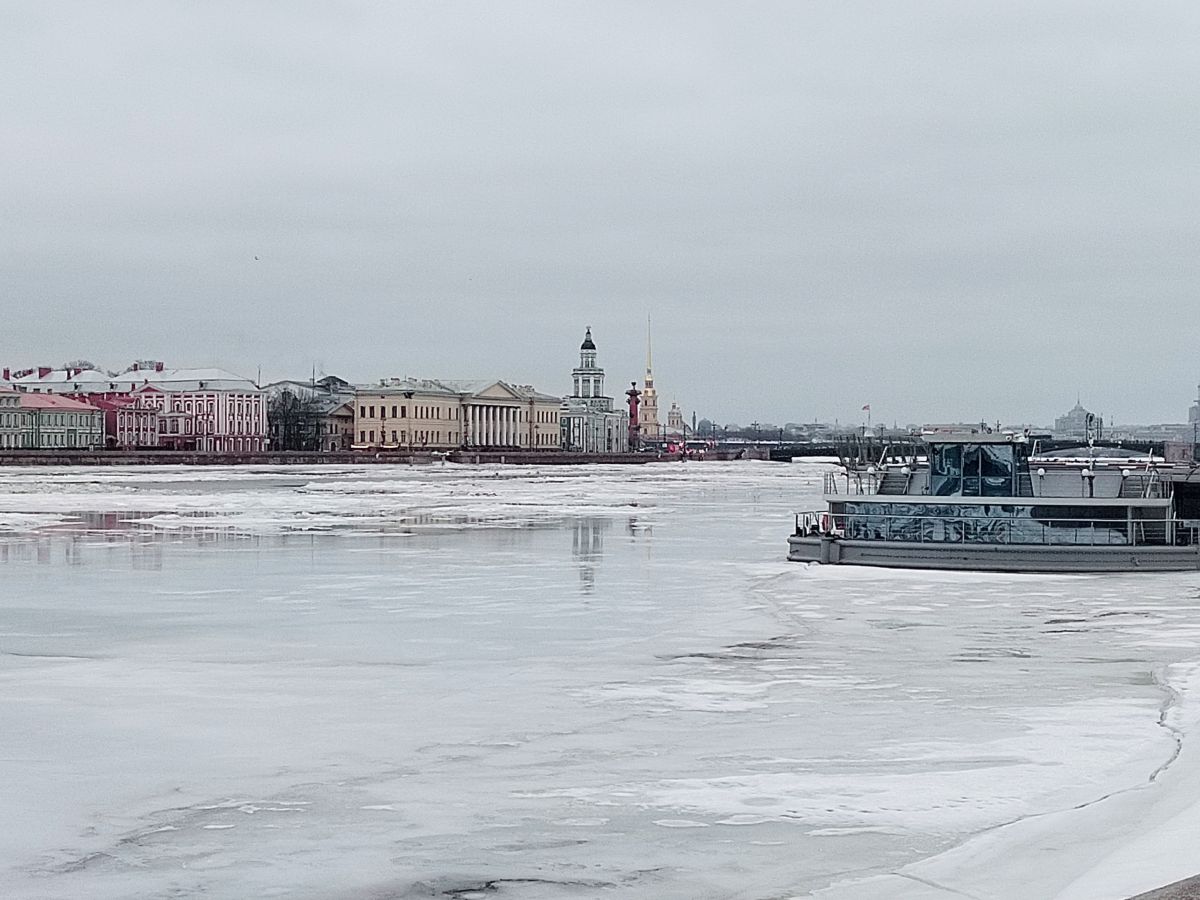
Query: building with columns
589	422
429	414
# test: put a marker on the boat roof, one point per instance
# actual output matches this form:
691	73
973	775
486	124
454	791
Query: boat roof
965	437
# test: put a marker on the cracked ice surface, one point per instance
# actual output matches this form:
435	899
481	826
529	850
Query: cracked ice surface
518	682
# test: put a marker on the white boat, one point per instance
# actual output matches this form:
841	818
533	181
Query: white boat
980	501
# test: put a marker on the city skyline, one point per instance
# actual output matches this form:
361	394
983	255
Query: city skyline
744	418
947	212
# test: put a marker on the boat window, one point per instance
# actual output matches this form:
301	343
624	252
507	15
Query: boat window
996	470
989	523
970	470
947	469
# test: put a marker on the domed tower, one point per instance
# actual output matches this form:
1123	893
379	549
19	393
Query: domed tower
589	424
588	378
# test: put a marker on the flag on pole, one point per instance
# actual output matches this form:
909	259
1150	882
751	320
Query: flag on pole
867	407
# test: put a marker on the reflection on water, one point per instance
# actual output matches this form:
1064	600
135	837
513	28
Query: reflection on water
77	543
140	538
587	548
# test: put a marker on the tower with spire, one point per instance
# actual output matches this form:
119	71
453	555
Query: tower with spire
649	425
588	378
588	421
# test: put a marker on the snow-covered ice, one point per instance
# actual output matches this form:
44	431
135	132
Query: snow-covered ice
465	682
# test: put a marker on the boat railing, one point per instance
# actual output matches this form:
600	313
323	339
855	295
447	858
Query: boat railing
968	529
853	482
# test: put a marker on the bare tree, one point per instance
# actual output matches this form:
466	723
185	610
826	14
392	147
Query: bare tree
80	364
294	421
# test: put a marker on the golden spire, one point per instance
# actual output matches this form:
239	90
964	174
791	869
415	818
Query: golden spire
649	354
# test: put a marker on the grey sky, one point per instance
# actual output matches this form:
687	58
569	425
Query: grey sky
946	210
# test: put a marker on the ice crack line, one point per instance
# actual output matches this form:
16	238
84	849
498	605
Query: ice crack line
1170	701
936	886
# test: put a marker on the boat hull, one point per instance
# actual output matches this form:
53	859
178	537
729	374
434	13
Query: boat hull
829	550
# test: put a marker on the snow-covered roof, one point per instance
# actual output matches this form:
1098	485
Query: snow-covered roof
461	388
321	389
58	381
531	393
327	404
416	386
69	381
194	380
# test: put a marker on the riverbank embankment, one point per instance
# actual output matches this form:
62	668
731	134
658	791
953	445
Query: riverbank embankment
347	457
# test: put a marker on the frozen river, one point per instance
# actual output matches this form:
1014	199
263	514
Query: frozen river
503	682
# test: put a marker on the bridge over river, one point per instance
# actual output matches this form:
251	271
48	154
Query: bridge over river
873	448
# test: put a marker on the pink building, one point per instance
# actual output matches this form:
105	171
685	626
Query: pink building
151	406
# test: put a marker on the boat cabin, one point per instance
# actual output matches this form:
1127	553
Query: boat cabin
986	488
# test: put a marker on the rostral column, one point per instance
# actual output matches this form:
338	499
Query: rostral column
634	396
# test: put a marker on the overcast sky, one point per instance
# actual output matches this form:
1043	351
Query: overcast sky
948	210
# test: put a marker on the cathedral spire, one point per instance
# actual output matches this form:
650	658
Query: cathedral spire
649	351
648	415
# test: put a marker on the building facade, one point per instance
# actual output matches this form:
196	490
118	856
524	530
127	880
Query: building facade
130	423
335	424
426	414
51	422
588	421
207	410
677	428
11	418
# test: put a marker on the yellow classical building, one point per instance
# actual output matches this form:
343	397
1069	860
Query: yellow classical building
428	414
